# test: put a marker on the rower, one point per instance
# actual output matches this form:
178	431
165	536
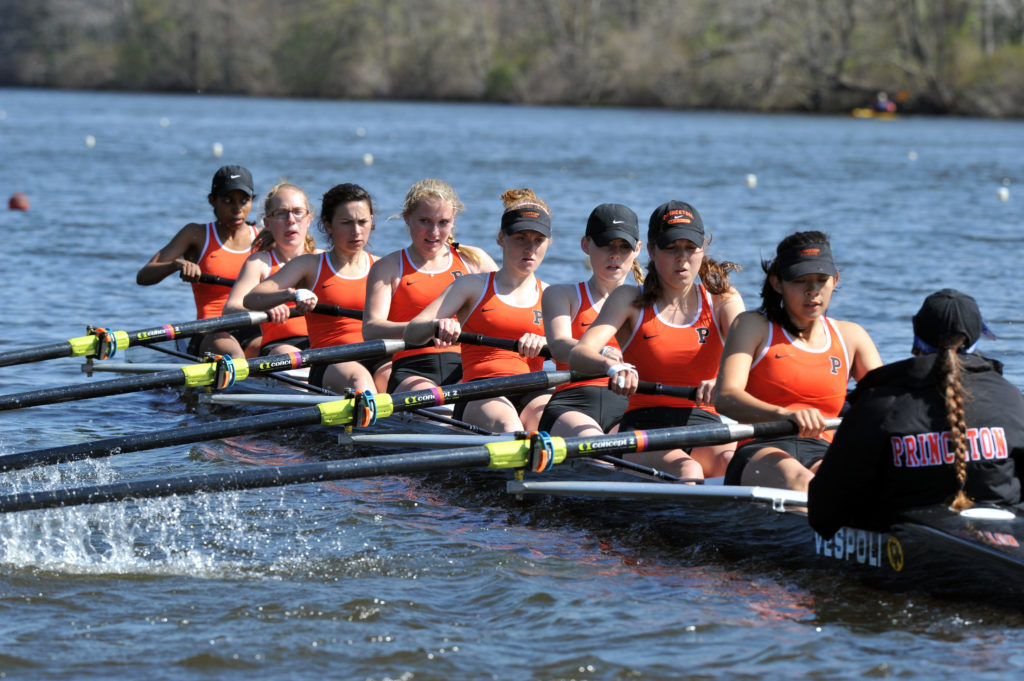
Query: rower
404	282
286	217
943	426
219	248
671	330
335	277
788	360
612	243
504	304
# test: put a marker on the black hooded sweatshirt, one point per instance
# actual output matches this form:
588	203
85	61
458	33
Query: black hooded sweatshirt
890	452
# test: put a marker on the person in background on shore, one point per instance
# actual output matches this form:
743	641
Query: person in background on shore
612	244
787	360
943	426
219	248
671	331
335	277
404	282
503	304
286	217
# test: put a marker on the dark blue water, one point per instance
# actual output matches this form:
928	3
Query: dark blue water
402	578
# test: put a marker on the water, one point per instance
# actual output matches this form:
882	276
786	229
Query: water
412	578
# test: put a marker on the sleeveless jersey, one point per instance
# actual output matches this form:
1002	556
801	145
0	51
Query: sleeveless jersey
493	317
675	355
332	288
293	327
581	321
220	261
792	377
417	289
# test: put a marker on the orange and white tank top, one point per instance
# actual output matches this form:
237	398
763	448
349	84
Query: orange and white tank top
492	316
418	288
793	377
332	288
675	355
581	321
219	260
294	327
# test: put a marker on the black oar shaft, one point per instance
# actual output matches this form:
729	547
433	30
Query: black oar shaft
502	343
37	354
180	377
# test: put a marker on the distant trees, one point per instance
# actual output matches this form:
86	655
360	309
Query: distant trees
956	56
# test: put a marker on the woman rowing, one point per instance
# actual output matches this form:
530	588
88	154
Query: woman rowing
219	248
402	283
670	331
612	243
941	427
285	236
787	360
504	304
335	277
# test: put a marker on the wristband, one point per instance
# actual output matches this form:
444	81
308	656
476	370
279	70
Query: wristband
302	294
622	366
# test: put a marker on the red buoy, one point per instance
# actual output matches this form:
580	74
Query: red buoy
18	202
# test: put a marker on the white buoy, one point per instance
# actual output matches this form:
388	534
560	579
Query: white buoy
912	155
90	141
367	159
217	149
360	132
1003	193
751	180
164	122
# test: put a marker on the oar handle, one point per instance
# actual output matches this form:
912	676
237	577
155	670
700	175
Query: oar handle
205	278
502	343
687	392
336	311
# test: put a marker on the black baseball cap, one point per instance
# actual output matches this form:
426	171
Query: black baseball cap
945	314
526	216
806	259
673	221
230	178
611	221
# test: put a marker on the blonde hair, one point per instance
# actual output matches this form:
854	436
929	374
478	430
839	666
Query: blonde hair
439	190
264	241
515	198
950	386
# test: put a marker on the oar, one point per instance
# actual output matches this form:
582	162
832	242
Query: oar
90	345
502	343
205	278
336	412
505	454
688	392
206	373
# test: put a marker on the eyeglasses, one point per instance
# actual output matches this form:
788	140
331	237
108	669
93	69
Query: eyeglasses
297	213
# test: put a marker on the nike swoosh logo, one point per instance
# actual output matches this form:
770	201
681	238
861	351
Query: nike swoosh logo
618	222
326	285
235	177
778	356
411	283
586	323
487	309
646	337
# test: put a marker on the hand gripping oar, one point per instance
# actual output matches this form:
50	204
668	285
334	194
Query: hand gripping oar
506	454
103	344
503	343
331	310
335	412
220	373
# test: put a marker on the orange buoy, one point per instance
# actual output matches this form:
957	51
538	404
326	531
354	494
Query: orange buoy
18	202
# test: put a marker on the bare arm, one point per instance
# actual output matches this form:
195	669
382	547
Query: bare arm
436	320
279	288
379	288
253	271
587	358
175	257
863	354
557	305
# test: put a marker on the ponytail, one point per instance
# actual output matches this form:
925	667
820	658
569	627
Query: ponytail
950	386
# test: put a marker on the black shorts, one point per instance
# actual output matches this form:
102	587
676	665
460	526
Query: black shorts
244	336
300	342
443	368
806	450
597	402
519	401
317	371
650	418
